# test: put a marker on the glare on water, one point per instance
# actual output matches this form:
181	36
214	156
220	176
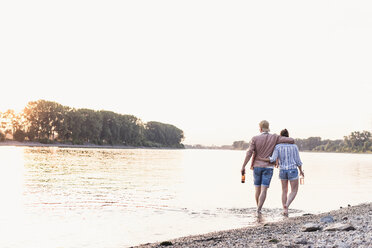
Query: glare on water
65	197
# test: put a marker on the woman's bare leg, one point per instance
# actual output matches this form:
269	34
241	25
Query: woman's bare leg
294	190
284	196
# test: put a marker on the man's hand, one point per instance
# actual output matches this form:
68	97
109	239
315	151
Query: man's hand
251	167
302	173
243	171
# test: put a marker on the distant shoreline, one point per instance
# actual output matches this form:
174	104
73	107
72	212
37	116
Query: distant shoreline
228	149
89	145
346	227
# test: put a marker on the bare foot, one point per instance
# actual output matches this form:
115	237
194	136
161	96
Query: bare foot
259	216
258	211
285	210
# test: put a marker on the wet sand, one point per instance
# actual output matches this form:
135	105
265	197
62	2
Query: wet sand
347	227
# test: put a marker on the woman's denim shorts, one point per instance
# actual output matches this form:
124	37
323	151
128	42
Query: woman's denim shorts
291	174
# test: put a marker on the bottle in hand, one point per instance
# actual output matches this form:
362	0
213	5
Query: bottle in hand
302	180
243	178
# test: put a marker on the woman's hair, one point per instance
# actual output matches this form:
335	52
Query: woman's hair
284	132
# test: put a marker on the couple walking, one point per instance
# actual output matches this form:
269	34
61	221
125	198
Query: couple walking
269	150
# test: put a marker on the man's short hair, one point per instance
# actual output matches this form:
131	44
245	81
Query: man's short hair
284	133
264	125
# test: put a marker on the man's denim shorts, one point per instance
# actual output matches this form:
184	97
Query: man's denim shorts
291	174
262	176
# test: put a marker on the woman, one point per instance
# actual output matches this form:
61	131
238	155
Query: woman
289	159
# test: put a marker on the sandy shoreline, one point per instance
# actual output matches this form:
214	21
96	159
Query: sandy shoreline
346	227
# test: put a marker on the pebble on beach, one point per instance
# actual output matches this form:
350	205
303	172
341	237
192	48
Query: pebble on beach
339	227
311	227
327	219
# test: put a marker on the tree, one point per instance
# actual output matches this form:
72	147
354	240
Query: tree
19	135
240	145
163	134
7	122
45	119
308	144
358	141
110	127
91	125
131	130
2	136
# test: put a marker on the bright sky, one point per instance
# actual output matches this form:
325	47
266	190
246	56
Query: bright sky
214	68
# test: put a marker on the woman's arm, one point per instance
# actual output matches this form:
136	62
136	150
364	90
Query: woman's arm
298	161
275	155
301	171
272	159
297	157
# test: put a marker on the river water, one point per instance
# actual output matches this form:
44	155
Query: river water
70	197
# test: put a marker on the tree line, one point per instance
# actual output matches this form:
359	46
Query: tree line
356	142
50	122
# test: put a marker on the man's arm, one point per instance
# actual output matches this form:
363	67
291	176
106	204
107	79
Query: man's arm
287	140
251	149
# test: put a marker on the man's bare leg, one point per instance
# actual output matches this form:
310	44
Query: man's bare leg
262	198
257	193
294	190
284	196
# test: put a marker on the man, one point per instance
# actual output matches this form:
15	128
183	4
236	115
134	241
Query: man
263	146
